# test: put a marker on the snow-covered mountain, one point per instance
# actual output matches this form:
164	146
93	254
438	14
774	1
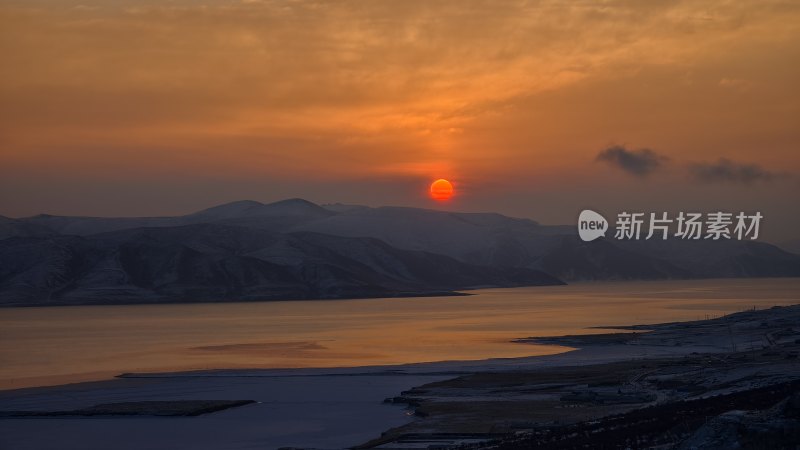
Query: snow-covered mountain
296	249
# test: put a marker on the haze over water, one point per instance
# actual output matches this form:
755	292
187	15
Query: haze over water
54	345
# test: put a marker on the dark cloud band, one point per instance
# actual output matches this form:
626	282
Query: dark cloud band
727	171
640	162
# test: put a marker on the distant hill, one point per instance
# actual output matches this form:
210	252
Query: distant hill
295	249
214	262
791	246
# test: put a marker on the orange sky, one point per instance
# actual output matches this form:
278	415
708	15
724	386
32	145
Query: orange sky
129	108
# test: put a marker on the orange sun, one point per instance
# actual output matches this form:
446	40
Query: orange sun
441	189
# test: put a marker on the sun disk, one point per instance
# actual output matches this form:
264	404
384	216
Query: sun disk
441	189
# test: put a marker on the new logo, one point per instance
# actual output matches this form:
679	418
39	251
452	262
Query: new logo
591	225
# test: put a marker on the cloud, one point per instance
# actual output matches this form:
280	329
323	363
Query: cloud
727	171
191	91
640	162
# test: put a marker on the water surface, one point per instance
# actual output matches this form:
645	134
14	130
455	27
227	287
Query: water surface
53	345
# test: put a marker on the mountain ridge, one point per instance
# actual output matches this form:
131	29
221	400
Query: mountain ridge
297	249
213	262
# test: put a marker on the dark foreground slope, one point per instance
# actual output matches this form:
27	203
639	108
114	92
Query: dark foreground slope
731	382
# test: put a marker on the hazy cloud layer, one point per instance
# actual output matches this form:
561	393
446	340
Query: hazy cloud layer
404	88
151	107
727	171
640	162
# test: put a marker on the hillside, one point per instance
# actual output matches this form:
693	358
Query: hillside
295	249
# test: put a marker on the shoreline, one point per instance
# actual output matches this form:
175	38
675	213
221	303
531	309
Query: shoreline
746	360
283	298
284	396
459	292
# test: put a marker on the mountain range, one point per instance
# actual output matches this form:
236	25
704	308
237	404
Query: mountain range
295	249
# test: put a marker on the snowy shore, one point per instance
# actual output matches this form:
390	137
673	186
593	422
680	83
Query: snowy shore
339	408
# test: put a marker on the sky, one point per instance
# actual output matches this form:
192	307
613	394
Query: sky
533	109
